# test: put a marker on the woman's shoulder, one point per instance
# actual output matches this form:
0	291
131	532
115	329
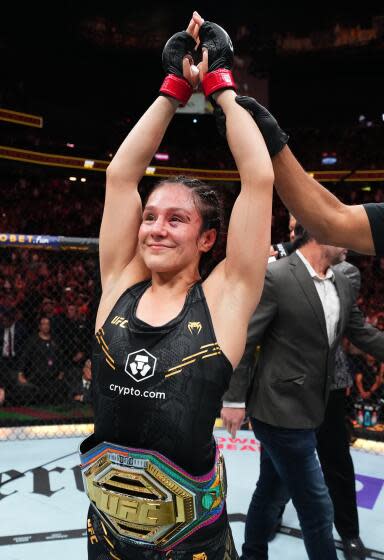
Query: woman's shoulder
117	299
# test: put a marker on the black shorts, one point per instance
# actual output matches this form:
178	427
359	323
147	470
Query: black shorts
102	545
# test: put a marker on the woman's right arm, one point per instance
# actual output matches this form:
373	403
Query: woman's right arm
122	208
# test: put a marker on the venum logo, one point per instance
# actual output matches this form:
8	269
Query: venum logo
140	365
194	327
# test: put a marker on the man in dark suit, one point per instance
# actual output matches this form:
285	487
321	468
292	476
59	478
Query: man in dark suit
333	440
305	309
333	437
82	391
333	443
12	338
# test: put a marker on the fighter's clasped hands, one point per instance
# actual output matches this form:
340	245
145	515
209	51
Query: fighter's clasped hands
213	71
195	73
214	74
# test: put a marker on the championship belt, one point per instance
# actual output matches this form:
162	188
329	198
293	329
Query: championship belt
146	499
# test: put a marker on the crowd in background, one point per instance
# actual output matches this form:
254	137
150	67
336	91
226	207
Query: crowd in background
47	315
48	298
58	206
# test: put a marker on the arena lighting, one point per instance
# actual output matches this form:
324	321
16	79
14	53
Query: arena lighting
382	116
73	178
328	158
89	163
150	170
367	188
162	156
194	121
83	179
70	145
361	118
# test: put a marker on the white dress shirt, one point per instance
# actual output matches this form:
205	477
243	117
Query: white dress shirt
329	300
328	296
9	342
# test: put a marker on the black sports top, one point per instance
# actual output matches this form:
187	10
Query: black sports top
160	388
375	213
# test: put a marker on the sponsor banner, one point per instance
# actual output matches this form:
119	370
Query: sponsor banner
20	239
238	443
122	390
55	242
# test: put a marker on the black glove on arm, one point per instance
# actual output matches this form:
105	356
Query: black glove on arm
219	45
175	85
179	45
220	58
274	137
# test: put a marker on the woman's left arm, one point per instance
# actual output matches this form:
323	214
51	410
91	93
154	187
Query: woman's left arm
241	275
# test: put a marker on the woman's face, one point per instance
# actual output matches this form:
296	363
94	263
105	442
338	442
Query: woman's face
169	236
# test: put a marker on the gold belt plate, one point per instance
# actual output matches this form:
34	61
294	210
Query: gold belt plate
140	502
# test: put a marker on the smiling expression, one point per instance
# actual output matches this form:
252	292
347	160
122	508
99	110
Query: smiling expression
170	237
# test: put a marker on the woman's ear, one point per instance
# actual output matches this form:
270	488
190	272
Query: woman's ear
207	240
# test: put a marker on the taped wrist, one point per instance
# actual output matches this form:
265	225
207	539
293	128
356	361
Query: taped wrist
178	88
221	78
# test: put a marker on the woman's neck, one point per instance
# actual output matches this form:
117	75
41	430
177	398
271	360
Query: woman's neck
176	284
164	299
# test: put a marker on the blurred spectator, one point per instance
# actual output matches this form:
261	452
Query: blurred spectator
12	339
41	366
48	305
10	296
380	321
74	332
83	391
368	377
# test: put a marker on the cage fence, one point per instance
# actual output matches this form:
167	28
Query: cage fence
49	291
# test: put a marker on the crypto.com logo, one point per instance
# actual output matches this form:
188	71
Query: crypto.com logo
140	365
